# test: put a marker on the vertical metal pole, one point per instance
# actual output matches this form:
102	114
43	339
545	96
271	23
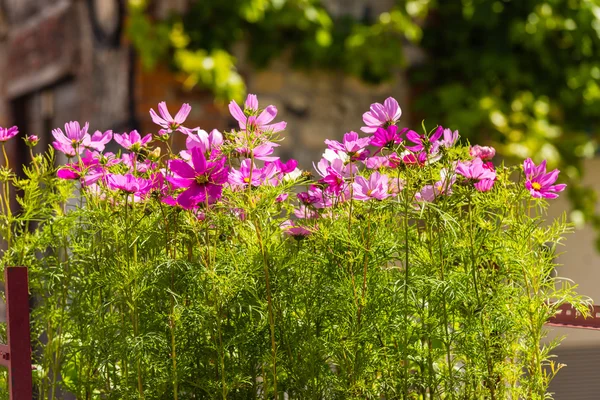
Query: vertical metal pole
19	343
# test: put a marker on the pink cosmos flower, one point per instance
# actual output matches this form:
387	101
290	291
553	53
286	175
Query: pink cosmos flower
209	143
448	140
315	197
248	121
253	176
203	181
483	152
539	183
381	115
477	171
7	133
129	184
378	162
422	141
396	185
352	145
374	188
282	197
133	141
443	187
305	212
74	140
295	231
262	152
388	137
168	123
99	140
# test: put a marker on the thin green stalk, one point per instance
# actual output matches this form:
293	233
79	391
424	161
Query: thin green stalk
269	306
490	367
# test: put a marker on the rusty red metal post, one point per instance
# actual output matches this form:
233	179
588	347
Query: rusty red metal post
16	354
568	316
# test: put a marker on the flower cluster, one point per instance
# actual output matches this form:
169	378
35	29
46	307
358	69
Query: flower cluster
375	167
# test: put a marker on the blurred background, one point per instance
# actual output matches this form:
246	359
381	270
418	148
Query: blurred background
520	75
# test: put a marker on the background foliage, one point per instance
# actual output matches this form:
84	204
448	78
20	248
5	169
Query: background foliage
523	75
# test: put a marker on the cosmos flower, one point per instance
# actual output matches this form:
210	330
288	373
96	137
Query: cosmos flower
133	141
387	137
202	180
167	122
422	141
479	172
483	152
248	121
539	183
7	133
352	145
374	188
381	115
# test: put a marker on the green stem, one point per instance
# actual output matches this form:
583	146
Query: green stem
270	308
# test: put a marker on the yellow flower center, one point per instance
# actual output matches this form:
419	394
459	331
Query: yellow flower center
536	186
246	180
200	179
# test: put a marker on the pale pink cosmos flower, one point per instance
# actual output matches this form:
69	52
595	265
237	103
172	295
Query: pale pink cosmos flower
248	121
99	140
73	140
262	152
247	175
539	183
443	187
167	122
483	152
8	133
381	115
352	145
448	140
374	188
133	141
209	143
305	212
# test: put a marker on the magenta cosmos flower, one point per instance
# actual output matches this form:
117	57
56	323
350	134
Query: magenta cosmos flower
133	141
374	188
7	133
203	181
167	122
381	115
479	172
387	137
539	183
248	121
421	141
